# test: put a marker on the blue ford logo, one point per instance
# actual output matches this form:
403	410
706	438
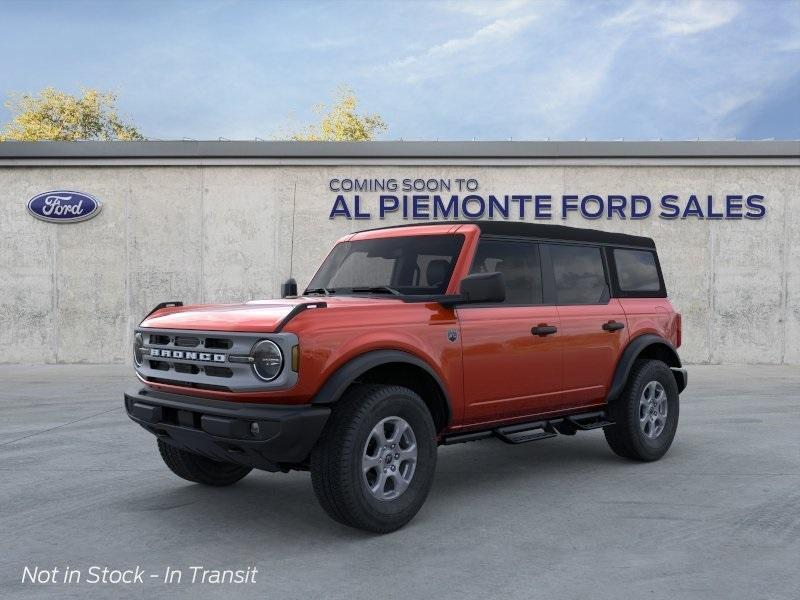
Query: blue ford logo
63	206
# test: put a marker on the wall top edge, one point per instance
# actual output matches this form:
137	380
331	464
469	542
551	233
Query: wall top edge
351	163
398	150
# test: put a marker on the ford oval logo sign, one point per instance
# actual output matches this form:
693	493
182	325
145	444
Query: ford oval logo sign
63	206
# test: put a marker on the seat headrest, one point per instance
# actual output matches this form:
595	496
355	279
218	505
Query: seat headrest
437	272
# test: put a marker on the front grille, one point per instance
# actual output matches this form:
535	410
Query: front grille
218	372
184	368
218	343
201	359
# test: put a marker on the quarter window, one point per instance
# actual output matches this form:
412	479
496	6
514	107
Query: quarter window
579	274
519	264
637	271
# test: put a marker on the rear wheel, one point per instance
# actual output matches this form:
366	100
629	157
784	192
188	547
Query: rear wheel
646	414
200	469
374	463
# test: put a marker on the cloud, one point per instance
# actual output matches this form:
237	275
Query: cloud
678	18
789	45
551	83
486	9
330	43
481	48
562	92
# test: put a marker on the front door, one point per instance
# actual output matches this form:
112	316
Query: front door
511	351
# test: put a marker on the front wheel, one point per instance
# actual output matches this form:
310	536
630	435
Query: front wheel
645	414
374	463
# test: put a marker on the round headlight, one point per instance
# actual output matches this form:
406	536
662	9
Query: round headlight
267	360
138	344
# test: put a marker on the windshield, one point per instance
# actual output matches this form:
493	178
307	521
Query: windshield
409	265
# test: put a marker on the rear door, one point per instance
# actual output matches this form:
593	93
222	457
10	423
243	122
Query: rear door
510	371
593	325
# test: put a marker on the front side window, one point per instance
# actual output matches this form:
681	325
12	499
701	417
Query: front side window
408	265
636	271
579	274
519	264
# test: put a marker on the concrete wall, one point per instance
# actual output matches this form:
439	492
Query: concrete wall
72	293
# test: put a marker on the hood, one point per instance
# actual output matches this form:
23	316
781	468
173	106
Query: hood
256	316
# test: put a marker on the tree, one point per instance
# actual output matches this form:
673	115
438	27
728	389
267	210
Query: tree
58	116
341	123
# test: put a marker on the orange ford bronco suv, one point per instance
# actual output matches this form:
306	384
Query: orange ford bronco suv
407	338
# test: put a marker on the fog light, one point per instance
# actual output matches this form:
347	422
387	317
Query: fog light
254	429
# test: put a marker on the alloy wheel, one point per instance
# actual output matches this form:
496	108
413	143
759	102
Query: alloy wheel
389	458
653	410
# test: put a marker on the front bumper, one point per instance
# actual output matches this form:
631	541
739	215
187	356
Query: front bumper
224	430
681	378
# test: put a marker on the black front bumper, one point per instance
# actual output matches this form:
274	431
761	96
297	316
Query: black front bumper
224	430
681	378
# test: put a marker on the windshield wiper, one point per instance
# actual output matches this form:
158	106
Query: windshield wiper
377	289
321	290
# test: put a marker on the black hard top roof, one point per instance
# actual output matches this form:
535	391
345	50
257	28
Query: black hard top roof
544	232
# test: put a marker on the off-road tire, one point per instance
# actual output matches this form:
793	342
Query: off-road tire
199	469
336	467
626	437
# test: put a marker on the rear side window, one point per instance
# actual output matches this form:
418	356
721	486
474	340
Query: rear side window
636	271
579	274
519	264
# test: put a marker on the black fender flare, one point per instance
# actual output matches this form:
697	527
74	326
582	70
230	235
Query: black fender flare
632	351
333	389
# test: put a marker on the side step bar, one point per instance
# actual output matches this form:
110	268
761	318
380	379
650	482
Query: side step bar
589	421
521	433
520	437
525	432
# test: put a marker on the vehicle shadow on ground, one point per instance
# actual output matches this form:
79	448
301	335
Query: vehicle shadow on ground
285	505
466	470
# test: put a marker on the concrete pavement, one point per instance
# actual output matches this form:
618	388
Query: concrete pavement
718	517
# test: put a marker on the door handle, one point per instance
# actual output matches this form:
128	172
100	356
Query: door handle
613	326
543	330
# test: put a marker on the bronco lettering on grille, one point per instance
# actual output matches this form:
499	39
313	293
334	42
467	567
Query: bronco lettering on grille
182	354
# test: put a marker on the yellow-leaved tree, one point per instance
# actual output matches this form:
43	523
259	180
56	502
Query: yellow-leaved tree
341	123
58	116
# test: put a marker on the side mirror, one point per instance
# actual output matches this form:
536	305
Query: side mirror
289	288
479	288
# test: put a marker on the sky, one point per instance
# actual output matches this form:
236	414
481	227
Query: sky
460	70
